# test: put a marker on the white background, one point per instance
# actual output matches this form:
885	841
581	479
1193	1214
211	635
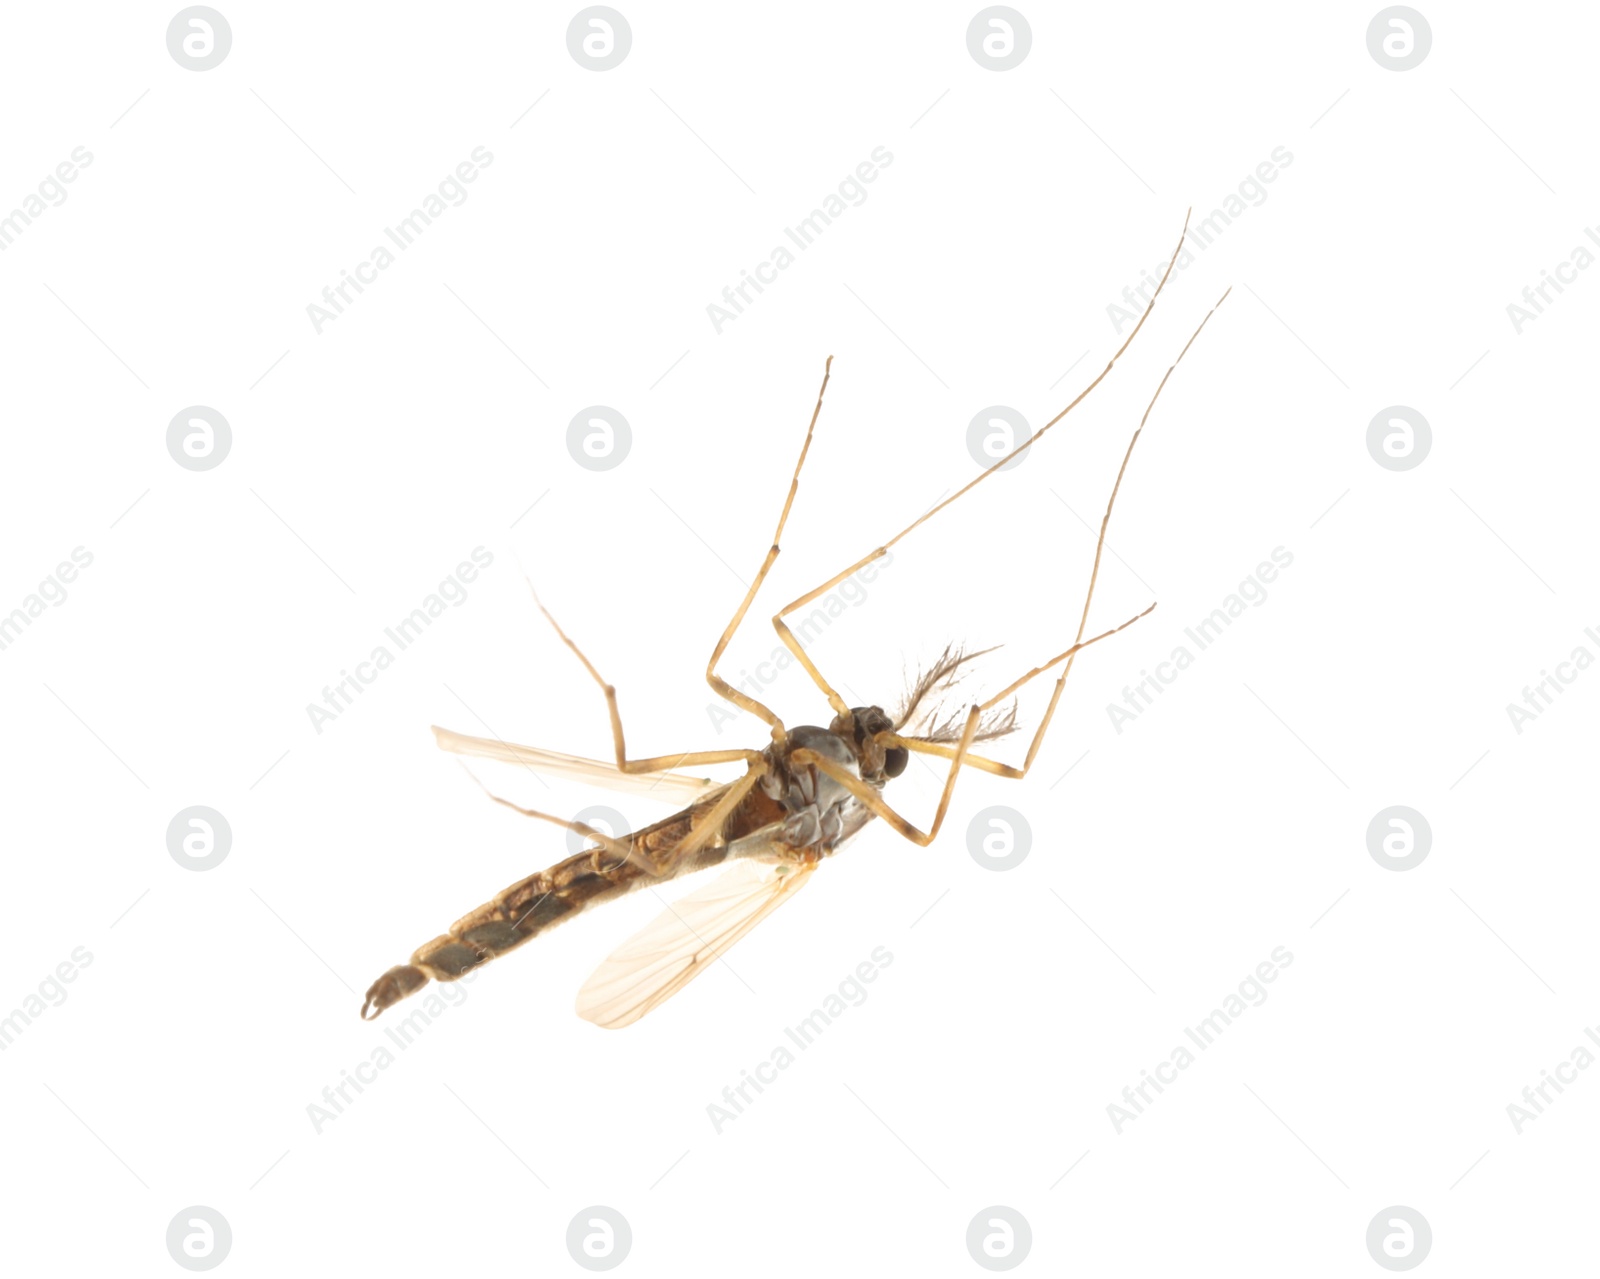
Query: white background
1228	819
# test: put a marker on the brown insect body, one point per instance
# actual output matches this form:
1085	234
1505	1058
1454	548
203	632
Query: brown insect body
798	801
796	815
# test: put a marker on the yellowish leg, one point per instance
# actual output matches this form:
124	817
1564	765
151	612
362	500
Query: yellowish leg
656	763
620	849
787	636
711	821
873	798
616	847
701	831
932	748
722	687
981	762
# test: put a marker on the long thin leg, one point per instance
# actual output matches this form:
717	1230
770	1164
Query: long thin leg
787	636
711	821
625	849
722	687
656	763
980	762
618	848
873	798
1083	621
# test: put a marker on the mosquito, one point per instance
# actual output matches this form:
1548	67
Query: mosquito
801	799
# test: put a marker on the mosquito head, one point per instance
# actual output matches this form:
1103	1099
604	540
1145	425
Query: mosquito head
861	728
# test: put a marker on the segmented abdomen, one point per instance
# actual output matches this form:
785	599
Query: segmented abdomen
549	897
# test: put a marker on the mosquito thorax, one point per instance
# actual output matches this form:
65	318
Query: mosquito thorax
814	801
781	774
860	727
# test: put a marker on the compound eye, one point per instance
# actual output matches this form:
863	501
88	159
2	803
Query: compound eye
895	760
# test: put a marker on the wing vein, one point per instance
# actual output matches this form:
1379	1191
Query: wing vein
683	942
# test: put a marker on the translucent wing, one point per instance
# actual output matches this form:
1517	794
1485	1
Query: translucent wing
682	942
669	788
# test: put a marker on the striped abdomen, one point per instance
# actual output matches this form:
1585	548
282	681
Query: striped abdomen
558	893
